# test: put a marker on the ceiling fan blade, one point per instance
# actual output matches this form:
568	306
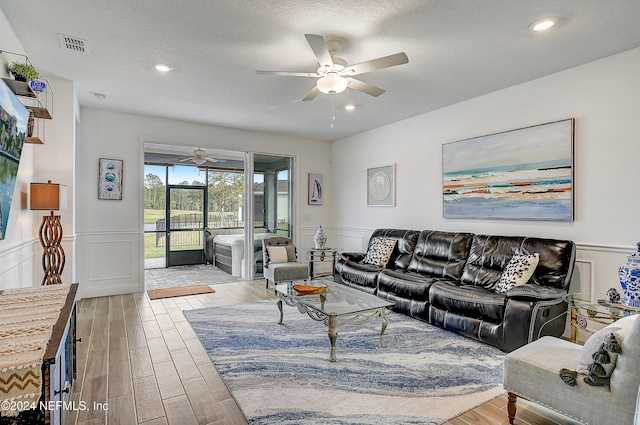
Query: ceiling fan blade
289	74
312	94
209	159
365	87
375	64
319	47
185	159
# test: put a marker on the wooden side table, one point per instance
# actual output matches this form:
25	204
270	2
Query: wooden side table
321	255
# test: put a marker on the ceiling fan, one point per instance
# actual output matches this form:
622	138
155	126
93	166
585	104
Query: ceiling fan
199	157
334	74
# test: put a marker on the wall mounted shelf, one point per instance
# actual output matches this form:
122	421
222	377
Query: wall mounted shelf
39	102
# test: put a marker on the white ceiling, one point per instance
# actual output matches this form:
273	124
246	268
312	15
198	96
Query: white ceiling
457	49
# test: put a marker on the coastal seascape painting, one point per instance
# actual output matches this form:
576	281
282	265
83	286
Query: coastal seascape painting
524	174
14	118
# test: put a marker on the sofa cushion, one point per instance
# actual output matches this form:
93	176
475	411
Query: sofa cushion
360	275
517	273
626	376
379	251
440	254
277	254
468	301
593	343
403	284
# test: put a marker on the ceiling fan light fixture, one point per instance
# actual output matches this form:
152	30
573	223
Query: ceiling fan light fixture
332	84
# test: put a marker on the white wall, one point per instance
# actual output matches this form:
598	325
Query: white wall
109	246
604	99
20	251
16	249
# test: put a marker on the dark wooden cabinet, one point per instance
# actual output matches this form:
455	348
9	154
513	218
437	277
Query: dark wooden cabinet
59	363
58	371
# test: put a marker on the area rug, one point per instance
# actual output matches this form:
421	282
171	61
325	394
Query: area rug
281	374
182	291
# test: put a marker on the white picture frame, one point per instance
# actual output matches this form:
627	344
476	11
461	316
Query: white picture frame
110	179
381	186
315	189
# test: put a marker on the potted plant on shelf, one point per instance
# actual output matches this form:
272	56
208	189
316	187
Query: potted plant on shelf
23	72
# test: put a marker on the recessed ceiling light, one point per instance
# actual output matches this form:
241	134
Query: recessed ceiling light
349	107
99	96
543	24
163	67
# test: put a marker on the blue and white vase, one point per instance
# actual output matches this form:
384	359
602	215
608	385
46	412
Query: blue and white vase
629	274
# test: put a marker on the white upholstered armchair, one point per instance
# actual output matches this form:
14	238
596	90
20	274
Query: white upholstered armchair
280	261
532	372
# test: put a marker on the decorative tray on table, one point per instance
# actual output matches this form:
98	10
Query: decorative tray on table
309	290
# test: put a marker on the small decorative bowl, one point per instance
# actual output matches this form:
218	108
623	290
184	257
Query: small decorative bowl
309	290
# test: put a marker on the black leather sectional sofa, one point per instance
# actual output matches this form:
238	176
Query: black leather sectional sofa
448	280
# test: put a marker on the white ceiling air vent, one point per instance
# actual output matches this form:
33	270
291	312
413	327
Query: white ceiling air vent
74	44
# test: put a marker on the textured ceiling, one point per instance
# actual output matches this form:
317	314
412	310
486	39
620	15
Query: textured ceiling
457	49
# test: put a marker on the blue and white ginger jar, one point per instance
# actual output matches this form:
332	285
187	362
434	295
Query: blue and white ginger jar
629	274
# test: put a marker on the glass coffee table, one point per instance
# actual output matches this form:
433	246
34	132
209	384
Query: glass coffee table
585	307
338	305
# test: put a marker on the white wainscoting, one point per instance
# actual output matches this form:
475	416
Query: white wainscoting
16	265
113	263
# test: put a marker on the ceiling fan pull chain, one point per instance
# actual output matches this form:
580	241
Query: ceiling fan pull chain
333	109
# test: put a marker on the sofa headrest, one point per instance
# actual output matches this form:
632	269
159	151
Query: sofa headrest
404	247
490	254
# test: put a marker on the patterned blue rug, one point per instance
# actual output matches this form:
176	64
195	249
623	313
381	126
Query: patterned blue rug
281	374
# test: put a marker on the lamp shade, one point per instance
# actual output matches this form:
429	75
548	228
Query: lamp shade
48	196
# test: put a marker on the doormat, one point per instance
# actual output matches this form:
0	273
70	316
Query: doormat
156	294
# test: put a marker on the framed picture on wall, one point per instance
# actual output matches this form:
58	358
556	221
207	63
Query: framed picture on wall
316	189
110	179
14	123
381	186
523	174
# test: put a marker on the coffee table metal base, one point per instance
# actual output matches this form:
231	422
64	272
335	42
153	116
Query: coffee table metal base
333	322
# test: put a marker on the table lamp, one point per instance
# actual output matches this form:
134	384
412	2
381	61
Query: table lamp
52	197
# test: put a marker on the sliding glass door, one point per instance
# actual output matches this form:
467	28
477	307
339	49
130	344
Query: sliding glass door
191	199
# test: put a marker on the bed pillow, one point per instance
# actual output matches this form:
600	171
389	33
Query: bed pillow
518	272
379	252
277	254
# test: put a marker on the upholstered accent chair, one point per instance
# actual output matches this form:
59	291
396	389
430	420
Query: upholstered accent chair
532	372
280	261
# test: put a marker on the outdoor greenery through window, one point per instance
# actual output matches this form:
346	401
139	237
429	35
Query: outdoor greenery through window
185	194
225	193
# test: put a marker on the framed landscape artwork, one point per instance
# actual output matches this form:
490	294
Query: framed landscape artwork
315	189
524	174
381	189
14	118
110	179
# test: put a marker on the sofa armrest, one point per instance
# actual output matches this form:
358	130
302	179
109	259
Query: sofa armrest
537	292
355	257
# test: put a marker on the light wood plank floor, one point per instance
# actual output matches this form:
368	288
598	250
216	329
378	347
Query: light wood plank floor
142	359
